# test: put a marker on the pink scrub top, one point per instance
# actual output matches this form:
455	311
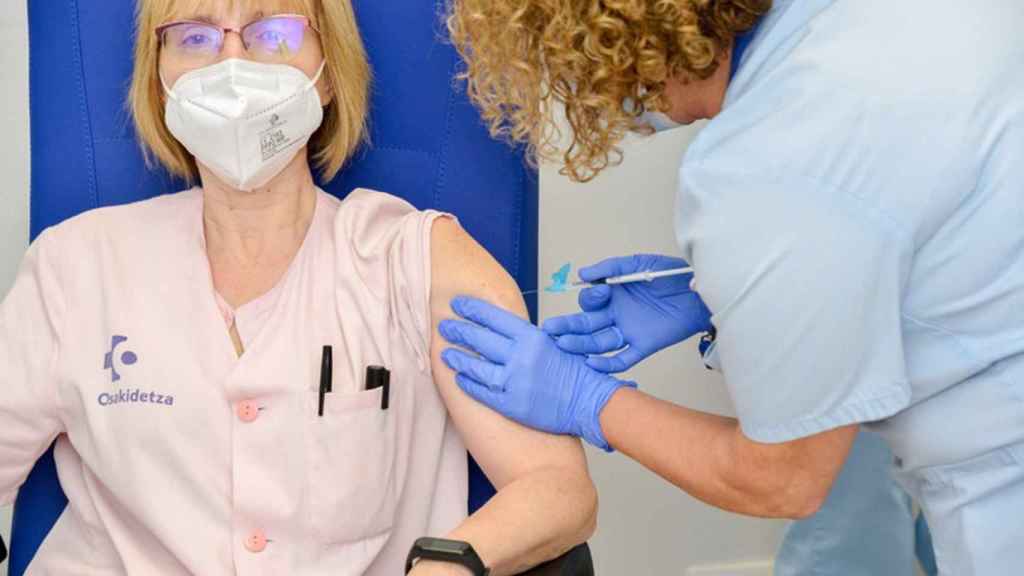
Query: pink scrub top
178	456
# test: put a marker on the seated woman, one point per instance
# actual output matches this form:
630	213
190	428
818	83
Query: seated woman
173	347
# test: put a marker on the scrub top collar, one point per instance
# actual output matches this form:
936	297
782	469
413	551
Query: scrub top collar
740	45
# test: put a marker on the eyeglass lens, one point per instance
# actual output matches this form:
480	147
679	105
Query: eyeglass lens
272	39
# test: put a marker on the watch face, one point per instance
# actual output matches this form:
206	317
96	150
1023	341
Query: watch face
442	545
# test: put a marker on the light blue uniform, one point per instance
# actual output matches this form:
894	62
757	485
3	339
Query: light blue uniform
866	527
855	217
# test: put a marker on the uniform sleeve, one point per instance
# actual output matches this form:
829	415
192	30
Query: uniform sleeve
30	320
410	266
390	249
805	283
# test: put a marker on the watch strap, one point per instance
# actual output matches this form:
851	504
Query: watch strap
423	549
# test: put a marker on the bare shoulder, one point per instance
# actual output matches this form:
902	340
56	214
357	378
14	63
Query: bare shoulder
461	266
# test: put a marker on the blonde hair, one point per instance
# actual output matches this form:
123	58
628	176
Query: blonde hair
593	56
346	72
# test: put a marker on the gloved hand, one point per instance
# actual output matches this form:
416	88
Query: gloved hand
643	317
522	374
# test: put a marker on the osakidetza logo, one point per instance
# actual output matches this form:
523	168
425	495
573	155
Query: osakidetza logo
117	363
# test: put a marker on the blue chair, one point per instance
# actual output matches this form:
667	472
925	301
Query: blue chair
429	146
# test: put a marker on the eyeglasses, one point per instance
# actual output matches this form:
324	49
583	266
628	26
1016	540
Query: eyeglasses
275	39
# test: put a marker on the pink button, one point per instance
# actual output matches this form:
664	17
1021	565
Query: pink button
247	411
256	541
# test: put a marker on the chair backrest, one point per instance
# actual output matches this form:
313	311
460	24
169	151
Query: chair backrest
428	146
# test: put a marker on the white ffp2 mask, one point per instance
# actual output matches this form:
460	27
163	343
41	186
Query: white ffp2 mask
658	120
653	118
244	120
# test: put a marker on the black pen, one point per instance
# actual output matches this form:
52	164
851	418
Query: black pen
326	376
379	377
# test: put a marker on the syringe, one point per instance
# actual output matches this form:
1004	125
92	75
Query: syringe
645	276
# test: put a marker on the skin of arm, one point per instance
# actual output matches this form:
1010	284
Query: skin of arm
546	502
730	471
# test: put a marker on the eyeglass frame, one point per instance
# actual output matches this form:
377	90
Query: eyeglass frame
159	30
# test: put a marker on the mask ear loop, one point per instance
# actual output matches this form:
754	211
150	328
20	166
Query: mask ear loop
316	78
319	73
167	91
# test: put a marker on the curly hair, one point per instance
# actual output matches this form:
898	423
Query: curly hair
596	57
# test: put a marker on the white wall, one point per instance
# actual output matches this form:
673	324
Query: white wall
14	166
646	526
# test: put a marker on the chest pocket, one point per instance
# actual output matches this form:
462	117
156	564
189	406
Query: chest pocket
352	474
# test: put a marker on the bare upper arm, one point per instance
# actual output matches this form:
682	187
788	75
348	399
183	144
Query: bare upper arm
504	449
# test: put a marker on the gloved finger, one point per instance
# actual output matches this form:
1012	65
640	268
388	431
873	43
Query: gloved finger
670	286
486	314
628	265
660	262
595	298
479	369
479	392
600	342
609	267
483	341
618	363
582	323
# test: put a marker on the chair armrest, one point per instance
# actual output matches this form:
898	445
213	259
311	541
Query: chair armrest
575	562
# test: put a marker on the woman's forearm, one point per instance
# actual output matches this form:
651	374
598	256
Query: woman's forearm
686	447
709	457
531	520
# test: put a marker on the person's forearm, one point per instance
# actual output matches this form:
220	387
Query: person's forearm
708	457
531	520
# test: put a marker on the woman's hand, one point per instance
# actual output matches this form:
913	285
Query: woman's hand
522	374
642	317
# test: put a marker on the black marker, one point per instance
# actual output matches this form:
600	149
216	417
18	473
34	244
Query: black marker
379	377
326	376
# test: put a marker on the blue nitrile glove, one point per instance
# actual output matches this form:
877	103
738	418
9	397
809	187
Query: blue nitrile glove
642	317
522	374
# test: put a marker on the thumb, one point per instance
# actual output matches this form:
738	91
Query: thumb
618	363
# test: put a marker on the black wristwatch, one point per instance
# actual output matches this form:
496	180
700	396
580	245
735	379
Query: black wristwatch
705	342
453	551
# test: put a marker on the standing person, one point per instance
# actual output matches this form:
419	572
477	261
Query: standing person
853	213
